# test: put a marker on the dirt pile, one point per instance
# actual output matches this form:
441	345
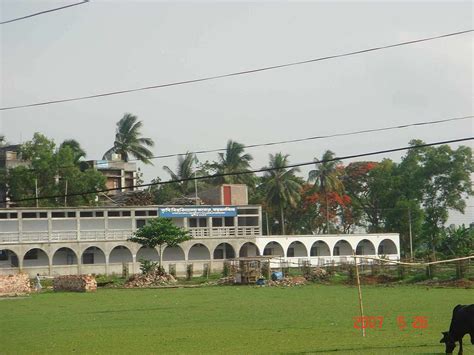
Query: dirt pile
151	279
75	283
317	274
287	282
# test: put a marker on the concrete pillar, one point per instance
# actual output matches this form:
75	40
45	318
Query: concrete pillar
134	261
106	264
134	222
50	266
78	225
79	263
211	259
20	226
236	226
50	225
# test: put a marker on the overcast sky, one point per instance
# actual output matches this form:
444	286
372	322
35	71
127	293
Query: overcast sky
114	45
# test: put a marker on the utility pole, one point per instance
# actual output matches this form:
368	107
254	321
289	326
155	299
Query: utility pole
36	192
195	180
65	195
409	231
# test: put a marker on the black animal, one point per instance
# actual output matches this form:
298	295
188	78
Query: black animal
462	323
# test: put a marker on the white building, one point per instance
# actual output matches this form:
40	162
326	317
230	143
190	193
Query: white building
53	241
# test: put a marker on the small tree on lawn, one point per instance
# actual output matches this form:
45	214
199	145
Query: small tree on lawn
159	232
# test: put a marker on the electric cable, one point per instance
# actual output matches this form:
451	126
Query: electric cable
238	73
244	172
100	163
43	12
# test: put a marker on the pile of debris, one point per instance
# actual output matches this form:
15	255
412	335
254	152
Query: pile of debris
131	198
287	282
317	274
229	280
75	283
14	285
151	279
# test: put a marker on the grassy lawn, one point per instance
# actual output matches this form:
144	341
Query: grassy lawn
234	319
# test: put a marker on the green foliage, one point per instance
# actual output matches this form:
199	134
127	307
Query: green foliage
160	232
457	242
51	168
128	141
440	180
234	160
184	171
148	266
226	269
282	187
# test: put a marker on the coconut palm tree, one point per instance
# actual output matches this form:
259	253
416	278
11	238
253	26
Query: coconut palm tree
128	140
326	178
234	160
282	188
76	148
184	170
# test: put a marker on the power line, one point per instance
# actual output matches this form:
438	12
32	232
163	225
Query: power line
244	172
43	12
244	72
416	124
317	137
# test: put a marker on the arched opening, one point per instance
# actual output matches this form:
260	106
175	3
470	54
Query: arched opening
120	254
387	247
274	248
224	251
342	247
35	257
8	258
93	255
365	247
199	252
64	256
296	249
249	249
320	248
146	253
173	254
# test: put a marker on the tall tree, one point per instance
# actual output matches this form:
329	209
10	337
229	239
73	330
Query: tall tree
160	232
440	179
326	178
234	160
128	140
184	170
51	170
282	186
76	149
2	140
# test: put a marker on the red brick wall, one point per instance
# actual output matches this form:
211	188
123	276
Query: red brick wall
14	284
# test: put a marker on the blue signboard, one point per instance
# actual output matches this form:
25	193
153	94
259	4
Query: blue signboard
198	211
102	164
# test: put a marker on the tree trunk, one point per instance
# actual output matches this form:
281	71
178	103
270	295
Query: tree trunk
282	221
161	257
327	214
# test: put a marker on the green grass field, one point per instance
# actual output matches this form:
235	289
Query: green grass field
233	319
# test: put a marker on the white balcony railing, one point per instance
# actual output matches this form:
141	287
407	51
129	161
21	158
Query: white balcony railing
102	235
222	232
